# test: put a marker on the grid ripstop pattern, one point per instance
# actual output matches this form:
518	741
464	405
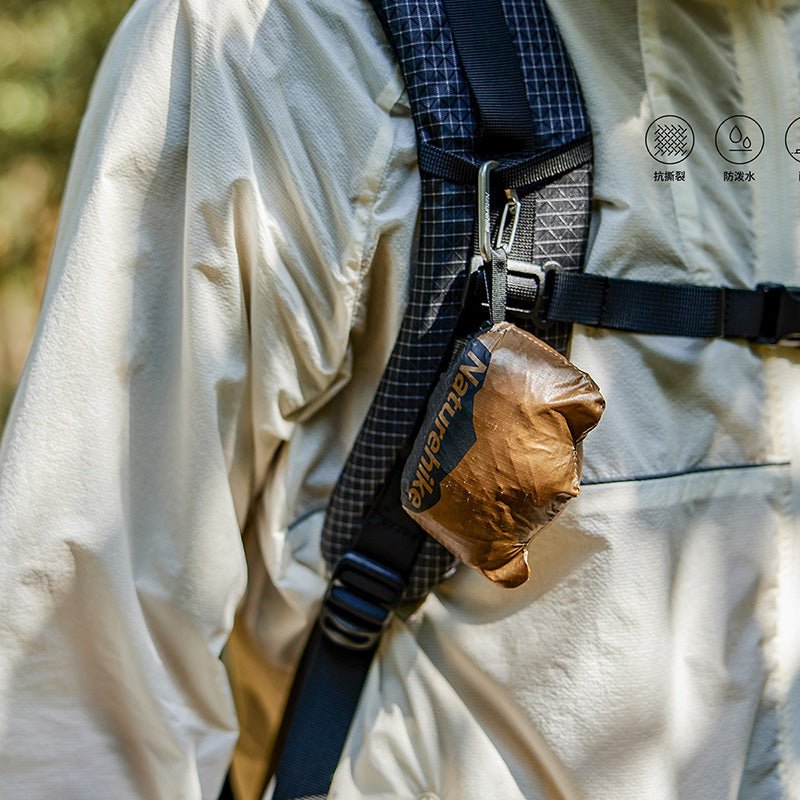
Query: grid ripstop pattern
444	116
424	46
560	231
554	96
446	215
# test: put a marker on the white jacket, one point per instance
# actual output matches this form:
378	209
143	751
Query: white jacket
226	286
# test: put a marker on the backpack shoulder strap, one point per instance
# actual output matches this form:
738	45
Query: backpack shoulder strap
379	558
450	125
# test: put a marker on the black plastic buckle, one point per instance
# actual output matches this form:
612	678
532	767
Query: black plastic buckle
780	316
530	288
544	295
361	599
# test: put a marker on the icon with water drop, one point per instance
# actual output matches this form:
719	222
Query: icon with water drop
739	139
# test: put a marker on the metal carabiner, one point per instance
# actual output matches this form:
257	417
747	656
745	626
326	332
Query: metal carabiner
485	215
485	211
513	207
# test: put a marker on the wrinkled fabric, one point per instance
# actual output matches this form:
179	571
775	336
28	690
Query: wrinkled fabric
497	455
225	289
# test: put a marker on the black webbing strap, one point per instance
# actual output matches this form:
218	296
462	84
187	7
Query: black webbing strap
770	313
538	169
498	286
321	707
491	64
366	589
226	793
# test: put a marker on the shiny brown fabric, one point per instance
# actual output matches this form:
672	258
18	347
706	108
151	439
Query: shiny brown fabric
527	419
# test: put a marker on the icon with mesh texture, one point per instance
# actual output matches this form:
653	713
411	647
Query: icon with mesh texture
669	139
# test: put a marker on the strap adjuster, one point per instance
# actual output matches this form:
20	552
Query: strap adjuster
547	278
361	599
780	317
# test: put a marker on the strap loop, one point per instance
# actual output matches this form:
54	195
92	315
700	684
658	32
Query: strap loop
492	68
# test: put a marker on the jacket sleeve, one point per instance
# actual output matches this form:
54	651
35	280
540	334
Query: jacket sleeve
125	469
222	212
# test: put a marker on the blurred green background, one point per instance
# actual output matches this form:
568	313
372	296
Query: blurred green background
49	52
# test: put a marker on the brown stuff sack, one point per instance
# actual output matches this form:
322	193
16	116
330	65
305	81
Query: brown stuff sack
497	456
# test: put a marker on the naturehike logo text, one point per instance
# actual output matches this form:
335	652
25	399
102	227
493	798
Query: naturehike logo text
431	462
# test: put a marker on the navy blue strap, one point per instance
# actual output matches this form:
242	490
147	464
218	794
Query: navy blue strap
366	588
226	792
321	707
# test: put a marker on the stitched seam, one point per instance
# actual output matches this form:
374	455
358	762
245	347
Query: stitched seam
680	473
320	509
371	239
